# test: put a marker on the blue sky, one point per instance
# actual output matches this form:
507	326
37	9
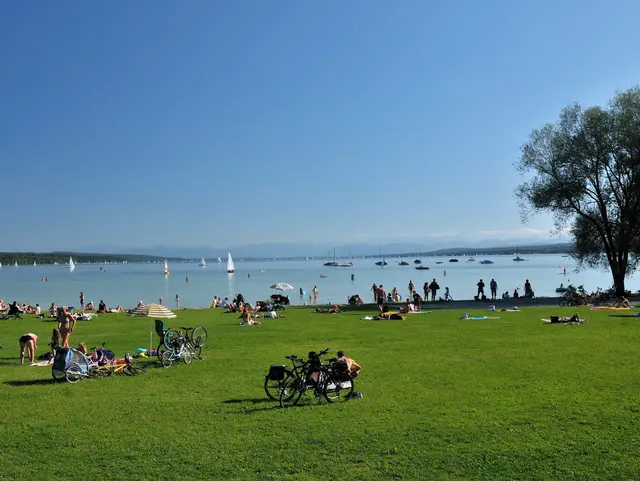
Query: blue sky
226	123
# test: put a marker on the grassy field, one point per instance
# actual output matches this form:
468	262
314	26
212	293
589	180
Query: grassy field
443	398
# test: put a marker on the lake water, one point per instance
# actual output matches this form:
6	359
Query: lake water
126	284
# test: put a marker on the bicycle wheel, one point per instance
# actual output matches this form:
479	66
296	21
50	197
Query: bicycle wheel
187	357
291	391
160	350
99	372
170	336
73	373
167	358
199	335
134	371
272	387
196	350
338	388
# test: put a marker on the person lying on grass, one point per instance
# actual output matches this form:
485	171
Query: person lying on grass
332	310
246	319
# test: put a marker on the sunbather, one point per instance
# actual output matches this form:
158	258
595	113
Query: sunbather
332	310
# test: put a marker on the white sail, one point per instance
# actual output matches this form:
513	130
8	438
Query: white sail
34	263
166	268
72	266
230	267
16	264
219	260
202	263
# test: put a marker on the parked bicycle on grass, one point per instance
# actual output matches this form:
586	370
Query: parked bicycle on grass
182	345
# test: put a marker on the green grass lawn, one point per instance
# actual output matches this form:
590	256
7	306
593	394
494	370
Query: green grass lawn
443	398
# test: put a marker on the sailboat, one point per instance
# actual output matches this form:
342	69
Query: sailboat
382	262
517	258
230	267
72	266
34	263
166	268
219	261
15	264
202	263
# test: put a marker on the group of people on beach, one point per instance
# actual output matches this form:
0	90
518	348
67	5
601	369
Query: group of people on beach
493	286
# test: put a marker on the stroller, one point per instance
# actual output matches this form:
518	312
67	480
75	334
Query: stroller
68	363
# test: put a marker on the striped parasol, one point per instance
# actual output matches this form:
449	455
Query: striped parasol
153	310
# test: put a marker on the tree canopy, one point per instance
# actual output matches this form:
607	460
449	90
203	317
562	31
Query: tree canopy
585	171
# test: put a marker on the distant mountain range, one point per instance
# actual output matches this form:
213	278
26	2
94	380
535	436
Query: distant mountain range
280	251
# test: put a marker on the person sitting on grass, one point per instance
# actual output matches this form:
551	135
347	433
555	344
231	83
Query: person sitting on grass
332	310
623	303
352	367
102	307
410	307
90	306
28	343
246	319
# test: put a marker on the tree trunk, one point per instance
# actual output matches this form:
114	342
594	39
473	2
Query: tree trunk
619	274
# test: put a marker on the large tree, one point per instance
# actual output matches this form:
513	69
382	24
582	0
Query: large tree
585	171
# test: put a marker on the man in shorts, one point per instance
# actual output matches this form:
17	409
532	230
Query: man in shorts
381	297
28	343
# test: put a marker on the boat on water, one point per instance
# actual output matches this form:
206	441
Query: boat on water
453	260
331	264
219	261
15	264
486	261
471	259
344	264
230	266
202	263
72	266
403	263
517	257
422	268
381	263
166	268
417	261
439	262
34	263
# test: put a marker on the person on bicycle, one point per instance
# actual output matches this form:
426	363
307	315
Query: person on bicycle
352	366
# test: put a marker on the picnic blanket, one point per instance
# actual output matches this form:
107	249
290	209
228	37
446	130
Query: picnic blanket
607	308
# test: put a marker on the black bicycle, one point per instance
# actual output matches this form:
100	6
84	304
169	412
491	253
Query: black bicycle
278	375
331	381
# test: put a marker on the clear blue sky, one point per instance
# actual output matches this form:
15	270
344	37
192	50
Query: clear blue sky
224	123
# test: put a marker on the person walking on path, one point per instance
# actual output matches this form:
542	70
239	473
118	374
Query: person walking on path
494	289
480	289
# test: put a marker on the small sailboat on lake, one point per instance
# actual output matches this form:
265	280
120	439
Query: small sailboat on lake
202	263
231	268
166	268
72	266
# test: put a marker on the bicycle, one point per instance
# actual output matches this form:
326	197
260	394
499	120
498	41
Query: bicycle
195	337
94	370
278	375
329	381
179	349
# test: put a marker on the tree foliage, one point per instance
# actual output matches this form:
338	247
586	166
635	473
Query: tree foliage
585	171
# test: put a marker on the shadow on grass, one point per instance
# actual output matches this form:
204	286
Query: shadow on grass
248	400
32	382
623	315
9	361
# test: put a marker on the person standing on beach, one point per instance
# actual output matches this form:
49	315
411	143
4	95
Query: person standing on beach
81	301
177	301
374	290
381	298
160	300
411	288
315	294
433	287
425	289
493	285
480	289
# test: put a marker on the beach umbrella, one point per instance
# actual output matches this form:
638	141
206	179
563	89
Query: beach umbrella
153	310
282	286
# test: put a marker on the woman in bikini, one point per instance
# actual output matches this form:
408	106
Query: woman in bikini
28	343
66	325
